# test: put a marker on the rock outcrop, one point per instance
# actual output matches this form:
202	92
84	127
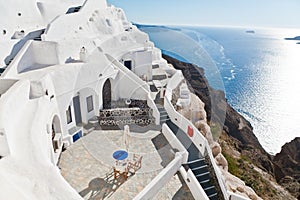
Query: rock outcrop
244	154
287	167
233	183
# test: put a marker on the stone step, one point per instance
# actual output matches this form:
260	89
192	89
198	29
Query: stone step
164	117
213	196
163	121
199	170
195	161
205	183
163	112
161	109
209	188
202	174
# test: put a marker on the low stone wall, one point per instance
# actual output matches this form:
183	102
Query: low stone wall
123	116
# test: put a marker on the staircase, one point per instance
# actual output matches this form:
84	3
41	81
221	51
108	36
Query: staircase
201	172
164	117
196	162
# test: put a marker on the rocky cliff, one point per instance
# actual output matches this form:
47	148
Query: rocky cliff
245	155
287	167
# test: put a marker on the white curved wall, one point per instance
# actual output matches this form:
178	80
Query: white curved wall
29	162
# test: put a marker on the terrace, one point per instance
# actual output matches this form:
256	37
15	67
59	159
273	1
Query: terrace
88	164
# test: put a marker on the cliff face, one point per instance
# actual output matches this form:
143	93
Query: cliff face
287	167
245	155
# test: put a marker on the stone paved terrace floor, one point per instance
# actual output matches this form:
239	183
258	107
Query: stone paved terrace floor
88	165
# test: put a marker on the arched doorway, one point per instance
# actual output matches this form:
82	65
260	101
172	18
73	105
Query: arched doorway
106	94
56	133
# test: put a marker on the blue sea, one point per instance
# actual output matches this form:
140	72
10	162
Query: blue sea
258	70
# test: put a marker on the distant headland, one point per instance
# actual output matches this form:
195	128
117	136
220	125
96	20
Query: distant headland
296	38
250	31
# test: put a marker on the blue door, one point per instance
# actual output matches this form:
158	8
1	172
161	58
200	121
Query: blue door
77	110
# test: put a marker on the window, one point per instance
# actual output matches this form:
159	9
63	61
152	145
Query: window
69	115
128	64
89	103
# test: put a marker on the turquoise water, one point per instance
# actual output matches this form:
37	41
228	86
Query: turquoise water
259	73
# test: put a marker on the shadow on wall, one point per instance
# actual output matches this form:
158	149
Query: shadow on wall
34	35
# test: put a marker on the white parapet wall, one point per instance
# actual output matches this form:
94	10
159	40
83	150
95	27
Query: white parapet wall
161	179
156	113
173	83
174	142
198	139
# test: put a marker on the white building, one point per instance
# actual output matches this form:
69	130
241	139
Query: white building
62	61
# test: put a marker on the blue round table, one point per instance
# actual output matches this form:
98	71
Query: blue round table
120	155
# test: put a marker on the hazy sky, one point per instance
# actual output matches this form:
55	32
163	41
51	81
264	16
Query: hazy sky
250	13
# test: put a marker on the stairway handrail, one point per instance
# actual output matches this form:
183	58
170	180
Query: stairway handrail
184	123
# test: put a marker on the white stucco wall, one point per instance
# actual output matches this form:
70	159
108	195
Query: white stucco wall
127	84
24	16
17	16
29	162
4	148
143	64
31	56
83	94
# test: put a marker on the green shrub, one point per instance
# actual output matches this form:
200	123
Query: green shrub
233	166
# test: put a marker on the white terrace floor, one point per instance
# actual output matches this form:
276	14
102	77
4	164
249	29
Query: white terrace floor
87	165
